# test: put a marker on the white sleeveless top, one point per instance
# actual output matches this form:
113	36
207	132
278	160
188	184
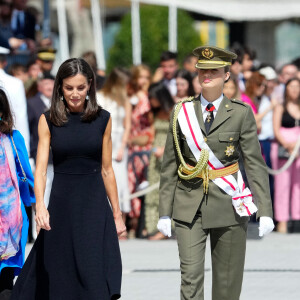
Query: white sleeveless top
117	114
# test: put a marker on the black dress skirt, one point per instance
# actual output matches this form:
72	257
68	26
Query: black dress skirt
79	258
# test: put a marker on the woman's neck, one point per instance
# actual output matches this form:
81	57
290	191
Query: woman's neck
211	95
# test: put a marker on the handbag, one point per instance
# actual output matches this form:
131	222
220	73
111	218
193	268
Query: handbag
26	190
283	153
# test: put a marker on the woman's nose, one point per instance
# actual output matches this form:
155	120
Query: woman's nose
75	92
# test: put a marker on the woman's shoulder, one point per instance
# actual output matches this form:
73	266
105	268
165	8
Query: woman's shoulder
142	96
47	115
245	98
18	141
144	103
17	136
104	113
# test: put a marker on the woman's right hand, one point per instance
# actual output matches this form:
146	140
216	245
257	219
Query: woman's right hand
290	147
42	218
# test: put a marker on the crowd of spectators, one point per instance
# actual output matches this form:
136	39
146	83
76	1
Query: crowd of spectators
140	103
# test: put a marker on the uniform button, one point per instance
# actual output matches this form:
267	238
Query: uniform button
205	140
226	105
231	139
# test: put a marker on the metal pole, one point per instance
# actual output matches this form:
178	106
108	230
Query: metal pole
136	33
97	27
173	28
62	28
46	19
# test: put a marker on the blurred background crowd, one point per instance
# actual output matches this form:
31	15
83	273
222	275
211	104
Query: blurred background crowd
140	98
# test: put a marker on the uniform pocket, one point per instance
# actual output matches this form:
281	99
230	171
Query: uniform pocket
229	137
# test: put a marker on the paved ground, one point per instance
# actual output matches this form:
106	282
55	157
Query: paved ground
272	270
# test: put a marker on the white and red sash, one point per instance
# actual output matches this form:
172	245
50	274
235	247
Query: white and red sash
241	196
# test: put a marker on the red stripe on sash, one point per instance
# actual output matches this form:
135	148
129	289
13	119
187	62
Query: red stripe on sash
241	197
194	138
248	211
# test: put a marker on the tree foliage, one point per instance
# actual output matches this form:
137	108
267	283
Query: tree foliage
154	37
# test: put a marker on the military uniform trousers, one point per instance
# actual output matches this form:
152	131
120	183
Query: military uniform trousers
228	247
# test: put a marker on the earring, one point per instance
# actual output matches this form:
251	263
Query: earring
61	98
87	98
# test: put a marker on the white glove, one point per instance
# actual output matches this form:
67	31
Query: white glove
266	225
164	225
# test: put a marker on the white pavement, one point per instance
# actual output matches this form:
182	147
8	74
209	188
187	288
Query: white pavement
272	269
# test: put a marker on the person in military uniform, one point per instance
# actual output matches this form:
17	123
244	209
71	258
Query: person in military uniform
45	58
201	186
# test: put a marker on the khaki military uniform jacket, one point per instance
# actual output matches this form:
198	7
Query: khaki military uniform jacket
234	125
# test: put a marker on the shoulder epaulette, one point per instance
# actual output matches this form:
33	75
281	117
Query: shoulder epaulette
238	102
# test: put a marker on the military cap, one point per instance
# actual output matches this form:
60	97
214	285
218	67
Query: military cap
46	53
210	57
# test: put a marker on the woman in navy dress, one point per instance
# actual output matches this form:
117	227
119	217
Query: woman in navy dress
76	254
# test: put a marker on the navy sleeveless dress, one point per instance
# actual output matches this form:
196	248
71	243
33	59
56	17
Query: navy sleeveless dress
79	258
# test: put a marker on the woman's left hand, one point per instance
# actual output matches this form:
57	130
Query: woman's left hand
120	226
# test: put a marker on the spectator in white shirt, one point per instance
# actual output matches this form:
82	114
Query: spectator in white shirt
15	91
266	106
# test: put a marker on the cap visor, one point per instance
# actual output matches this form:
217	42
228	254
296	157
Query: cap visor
209	66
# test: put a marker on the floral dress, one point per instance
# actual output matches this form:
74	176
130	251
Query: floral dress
137	164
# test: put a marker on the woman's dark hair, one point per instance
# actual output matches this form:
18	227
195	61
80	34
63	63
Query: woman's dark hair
59	109
6	122
286	94
189	78
160	92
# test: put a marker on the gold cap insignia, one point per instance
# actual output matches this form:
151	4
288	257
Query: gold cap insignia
207	53
229	151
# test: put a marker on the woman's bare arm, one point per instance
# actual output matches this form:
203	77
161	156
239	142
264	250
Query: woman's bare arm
42	215
109	179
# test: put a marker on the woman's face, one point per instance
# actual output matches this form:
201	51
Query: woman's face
182	87
212	78
75	89
155	104
143	80
34	71
229	89
260	89
293	90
